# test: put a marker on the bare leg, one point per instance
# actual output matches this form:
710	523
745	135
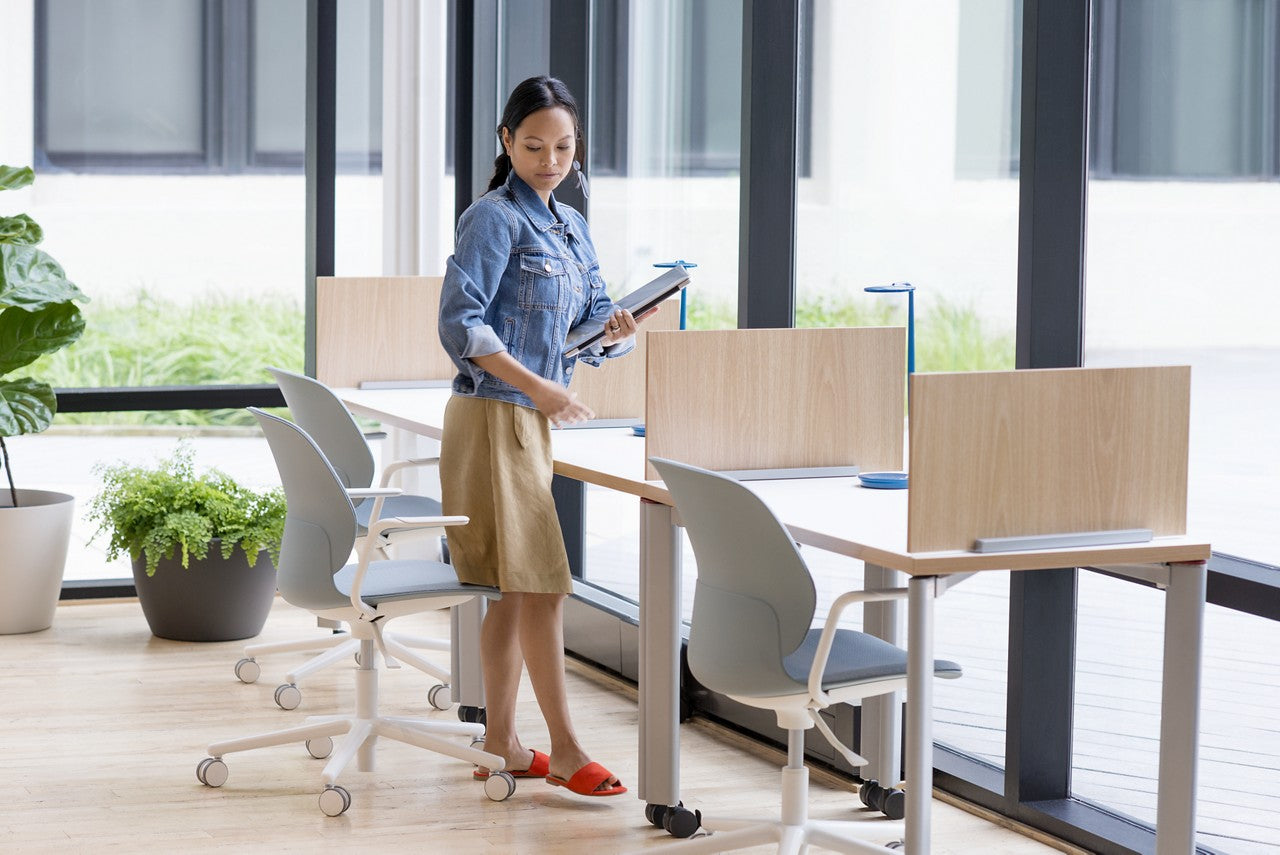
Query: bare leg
501	659
541	629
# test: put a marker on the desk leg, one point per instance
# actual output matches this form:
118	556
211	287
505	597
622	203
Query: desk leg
919	731
881	733
1180	709
464	657
659	782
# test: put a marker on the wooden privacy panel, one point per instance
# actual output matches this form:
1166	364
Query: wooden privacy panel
777	399
371	328
615	390
1054	451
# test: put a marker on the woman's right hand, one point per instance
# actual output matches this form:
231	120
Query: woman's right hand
559	405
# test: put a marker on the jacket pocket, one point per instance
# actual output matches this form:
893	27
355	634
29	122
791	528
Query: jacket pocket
542	282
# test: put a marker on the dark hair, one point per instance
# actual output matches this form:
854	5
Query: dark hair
534	94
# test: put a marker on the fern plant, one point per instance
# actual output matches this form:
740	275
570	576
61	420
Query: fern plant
170	509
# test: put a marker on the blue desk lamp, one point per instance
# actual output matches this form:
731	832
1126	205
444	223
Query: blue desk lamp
687	265
638	430
896	480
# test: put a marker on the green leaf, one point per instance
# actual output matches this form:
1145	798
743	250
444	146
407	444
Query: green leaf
26	336
20	229
26	406
13	177
31	279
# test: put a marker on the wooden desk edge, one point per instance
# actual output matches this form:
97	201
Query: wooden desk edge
946	563
391	419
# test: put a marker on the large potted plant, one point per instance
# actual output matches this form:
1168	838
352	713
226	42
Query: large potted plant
203	545
38	315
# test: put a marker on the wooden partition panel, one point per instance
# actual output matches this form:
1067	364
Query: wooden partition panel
1053	451
372	328
777	399
615	390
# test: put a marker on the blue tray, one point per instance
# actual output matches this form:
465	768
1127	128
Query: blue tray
884	480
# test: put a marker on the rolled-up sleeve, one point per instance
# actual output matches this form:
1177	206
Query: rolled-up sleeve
472	276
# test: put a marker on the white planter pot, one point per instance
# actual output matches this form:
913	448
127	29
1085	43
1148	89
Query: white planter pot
33	553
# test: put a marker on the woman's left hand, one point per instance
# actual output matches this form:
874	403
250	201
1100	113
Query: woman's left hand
621	326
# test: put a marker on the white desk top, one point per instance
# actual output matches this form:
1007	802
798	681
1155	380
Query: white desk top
835	514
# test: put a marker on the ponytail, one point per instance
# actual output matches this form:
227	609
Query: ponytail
501	169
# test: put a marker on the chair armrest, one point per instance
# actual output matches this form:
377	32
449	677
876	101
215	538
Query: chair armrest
367	547
829	633
393	468
372	492
385	523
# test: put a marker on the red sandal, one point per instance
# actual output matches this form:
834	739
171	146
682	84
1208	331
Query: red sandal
539	768
587	781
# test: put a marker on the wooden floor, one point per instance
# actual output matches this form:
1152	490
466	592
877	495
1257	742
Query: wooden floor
102	725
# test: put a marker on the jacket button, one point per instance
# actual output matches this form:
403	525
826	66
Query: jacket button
547	266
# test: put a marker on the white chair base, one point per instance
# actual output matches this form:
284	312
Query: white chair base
358	735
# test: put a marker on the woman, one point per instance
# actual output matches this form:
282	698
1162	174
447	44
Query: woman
524	273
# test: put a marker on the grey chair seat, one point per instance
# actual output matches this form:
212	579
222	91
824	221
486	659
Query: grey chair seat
855	658
399	506
387	581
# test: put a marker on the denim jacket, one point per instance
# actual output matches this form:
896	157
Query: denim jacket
521	276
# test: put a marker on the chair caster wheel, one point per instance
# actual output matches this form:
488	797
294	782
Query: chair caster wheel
288	696
472	715
679	821
335	800
440	696
890	801
320	747
499	786
654	814
248	671
477	742
211	772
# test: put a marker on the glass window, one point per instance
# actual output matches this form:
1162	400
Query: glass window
125	79
911	180
1183	88
197	85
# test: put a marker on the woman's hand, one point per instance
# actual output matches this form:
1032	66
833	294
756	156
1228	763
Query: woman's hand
559	405
621	326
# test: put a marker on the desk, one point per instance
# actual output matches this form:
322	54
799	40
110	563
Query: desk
869	525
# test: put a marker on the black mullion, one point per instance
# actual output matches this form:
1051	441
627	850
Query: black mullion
767	229
570	51
1050	334
320	155
107	399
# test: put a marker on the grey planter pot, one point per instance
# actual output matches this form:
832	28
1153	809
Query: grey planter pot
211	600
33	554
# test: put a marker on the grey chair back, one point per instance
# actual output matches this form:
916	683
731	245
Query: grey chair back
320	521
320	412
754	600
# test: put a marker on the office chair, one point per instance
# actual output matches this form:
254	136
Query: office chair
751	638
320	532
323	416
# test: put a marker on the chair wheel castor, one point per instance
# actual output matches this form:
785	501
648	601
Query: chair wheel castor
248	670
472	715
211	772
320	747
440	696
679	821
654	814
499	786
891	801
288	696
335	800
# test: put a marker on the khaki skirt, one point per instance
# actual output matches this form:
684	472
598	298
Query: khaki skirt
495	467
